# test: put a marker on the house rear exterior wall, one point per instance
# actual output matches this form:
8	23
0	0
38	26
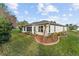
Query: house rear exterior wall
51	28
59	28
54	28
32	29
40	33
65	28
47	30
24	28
37	32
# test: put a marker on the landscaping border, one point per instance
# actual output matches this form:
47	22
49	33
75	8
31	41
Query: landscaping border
48	43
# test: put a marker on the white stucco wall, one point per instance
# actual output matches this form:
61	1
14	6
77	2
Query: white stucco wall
24	30
37	32
51	28
47	30
59	28
42	33
32	29
65	28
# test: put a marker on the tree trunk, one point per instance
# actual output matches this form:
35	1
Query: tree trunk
1	49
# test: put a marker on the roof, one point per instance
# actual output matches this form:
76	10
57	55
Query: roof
44	22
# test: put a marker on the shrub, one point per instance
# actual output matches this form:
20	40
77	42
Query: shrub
5	30
28	33
16	30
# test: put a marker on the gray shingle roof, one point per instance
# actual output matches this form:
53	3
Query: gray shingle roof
45	22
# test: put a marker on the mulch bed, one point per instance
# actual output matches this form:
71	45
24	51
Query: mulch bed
43	39
49	40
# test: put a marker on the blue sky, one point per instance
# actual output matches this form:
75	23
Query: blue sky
63	13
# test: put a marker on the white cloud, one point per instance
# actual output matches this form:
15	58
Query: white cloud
51	8
40	7
64	15
63	20
13	5
16	12
75	6
54	18
46	8
43	13
70	14
70	9
26	12
51	18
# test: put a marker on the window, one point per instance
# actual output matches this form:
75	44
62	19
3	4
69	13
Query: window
29	28
40	29
49	28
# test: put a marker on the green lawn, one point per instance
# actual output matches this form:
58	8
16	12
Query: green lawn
23	45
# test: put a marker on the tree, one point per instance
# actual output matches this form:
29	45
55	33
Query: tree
71	26
4	11
5	31
22	23
75	27
2	5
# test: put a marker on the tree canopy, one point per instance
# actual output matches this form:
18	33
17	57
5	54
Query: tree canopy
72	26
22	23
2	5
4	11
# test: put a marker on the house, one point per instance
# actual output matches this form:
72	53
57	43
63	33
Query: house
44	28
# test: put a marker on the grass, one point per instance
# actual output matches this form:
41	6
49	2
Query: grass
20	44
24	45
66	46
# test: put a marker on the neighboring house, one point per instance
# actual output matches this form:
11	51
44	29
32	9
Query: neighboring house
44	27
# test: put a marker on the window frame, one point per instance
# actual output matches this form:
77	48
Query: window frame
40	28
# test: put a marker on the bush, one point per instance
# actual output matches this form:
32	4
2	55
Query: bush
5	30
57	33
16	30
4	37
28	33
